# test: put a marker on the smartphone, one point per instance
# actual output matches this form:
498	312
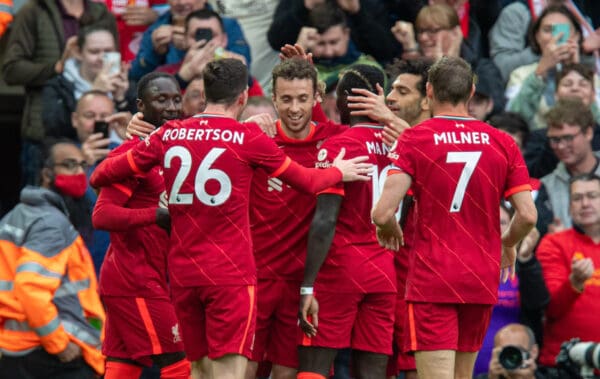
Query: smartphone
203	34
112	61
565	29
101	127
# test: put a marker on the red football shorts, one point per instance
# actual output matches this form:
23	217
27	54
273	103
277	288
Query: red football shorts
137	328
216	320
357	320
400	361
441	326
277	322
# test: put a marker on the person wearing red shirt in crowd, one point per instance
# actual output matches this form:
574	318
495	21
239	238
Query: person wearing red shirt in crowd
133	18
570	261
346	270
211	267
278	208
141	324
459	169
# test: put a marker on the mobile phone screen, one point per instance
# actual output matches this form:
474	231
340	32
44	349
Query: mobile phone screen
101	127
203	34
565	29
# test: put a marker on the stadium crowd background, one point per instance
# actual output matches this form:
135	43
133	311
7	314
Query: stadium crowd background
530	82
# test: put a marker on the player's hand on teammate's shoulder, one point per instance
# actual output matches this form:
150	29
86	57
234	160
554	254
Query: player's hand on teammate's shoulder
266	123
138	127
353	169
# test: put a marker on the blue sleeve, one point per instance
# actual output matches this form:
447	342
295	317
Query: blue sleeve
147	60
236	41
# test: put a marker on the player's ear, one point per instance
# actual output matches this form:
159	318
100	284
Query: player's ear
429	90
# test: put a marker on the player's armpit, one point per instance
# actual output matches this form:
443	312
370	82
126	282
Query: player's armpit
320	235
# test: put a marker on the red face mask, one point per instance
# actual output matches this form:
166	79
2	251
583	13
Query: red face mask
71	185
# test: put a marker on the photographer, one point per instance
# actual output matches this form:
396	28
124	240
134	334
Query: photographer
507	364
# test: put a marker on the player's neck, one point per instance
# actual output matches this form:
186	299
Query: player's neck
449	109
221	109
423	116
295	134
360	120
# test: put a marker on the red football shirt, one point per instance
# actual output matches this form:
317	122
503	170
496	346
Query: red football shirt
356	262
280	216
208	162
461	168
136	260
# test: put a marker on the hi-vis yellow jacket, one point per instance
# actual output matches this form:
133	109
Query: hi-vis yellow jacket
6	15
48	288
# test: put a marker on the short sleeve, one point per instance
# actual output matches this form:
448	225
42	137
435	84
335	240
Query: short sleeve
327	153
263	152
517	178
401	154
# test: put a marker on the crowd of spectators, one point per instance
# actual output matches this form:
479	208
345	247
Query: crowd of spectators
536	64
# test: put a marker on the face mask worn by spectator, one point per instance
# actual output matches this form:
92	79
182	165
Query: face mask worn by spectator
71	185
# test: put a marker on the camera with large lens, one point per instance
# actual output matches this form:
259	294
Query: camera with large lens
512	357
580	359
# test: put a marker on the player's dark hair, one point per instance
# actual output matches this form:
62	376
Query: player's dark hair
534	27
224	80
571	111
585	71
356	76
417	67
84	32
147	79
295	68
204	14
512	123
325	16
451	79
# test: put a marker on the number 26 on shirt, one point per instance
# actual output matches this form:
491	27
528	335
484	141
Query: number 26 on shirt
203	174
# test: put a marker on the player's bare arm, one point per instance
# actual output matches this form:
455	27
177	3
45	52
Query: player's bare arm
389	233
320	237
521	224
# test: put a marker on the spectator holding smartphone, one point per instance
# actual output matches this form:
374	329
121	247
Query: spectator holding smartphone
95	66
205	40
532	86
164	41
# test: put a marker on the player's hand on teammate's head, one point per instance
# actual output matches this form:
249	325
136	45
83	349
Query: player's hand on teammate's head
266	123
138	127
163	219
308	315
353	169
295	51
